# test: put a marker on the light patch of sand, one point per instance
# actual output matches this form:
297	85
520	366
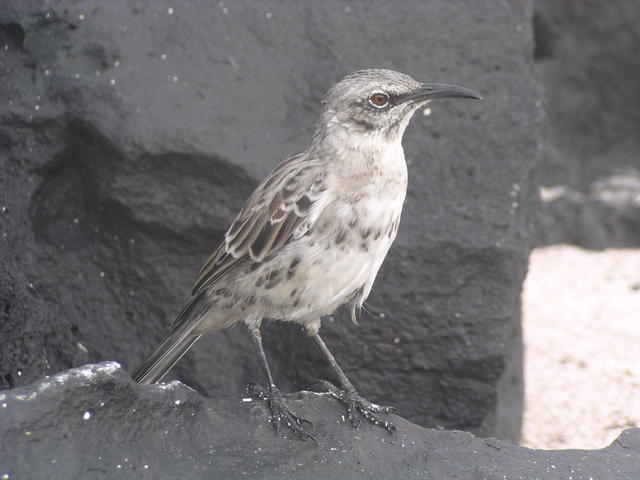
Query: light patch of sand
581	314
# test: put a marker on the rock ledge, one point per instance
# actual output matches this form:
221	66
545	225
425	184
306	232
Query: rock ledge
94	422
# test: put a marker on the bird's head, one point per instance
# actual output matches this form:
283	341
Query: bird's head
379	103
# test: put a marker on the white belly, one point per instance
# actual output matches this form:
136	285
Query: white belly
337	267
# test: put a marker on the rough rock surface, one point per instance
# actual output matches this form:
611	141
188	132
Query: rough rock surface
131	133
587	58
94	422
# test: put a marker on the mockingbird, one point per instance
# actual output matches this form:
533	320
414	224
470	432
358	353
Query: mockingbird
313	234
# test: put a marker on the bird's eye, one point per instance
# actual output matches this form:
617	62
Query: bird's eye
379	100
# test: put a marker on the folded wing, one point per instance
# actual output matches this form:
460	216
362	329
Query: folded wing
278	211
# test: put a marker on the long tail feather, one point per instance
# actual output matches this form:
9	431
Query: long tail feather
156	365
175	345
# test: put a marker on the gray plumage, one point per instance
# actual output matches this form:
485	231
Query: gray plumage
314	233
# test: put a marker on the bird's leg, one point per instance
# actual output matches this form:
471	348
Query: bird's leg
280	413
356	404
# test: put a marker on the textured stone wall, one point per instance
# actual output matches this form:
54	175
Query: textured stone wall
587	58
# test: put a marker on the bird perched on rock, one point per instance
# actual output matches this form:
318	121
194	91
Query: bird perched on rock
313	234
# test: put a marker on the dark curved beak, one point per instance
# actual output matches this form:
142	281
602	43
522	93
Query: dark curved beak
428	91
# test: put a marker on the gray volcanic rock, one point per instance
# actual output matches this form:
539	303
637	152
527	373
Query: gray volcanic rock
587	58
132	132
94	422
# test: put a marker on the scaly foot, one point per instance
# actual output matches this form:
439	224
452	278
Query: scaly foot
358	405
280	413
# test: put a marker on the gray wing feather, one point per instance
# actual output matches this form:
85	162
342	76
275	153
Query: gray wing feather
269	218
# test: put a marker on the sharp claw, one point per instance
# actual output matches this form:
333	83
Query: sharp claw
296	427
358	406
304	420
280	414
